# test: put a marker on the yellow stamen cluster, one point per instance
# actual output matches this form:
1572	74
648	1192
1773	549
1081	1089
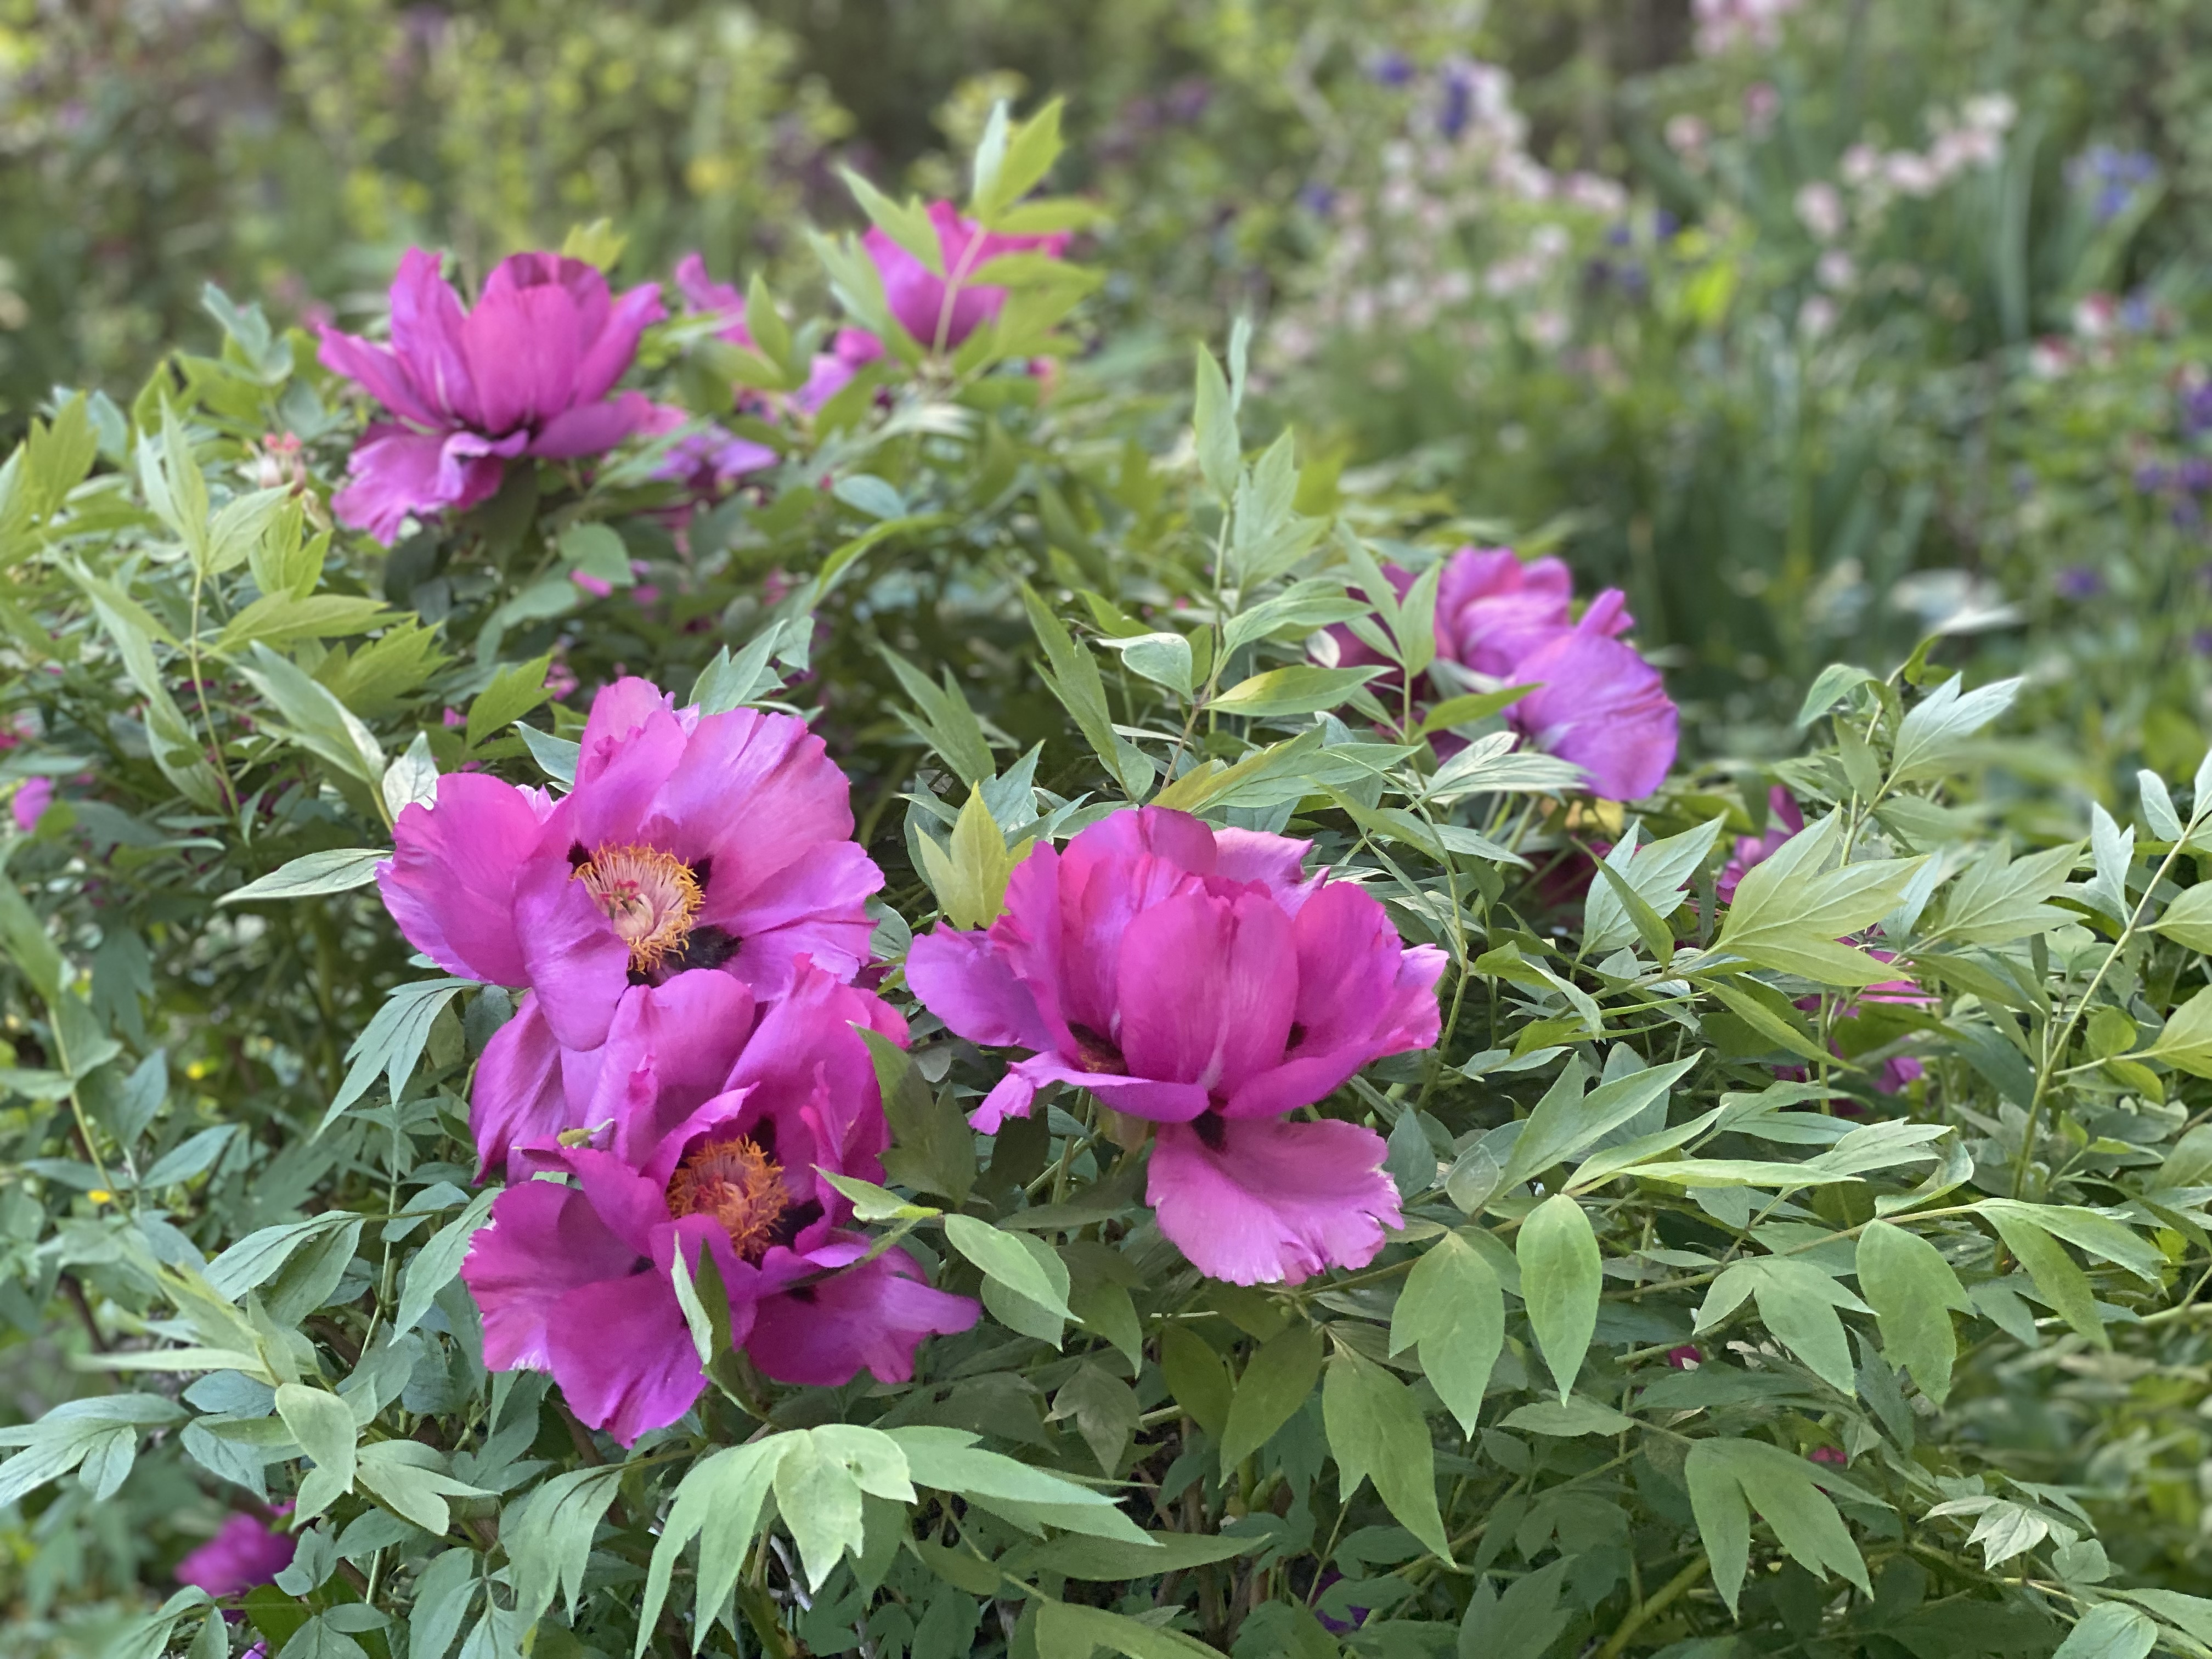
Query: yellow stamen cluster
652	897
733	1180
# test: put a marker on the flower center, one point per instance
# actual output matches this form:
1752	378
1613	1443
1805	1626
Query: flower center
651	897
733	1181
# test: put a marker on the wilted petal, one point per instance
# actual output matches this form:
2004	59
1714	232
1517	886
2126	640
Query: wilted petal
1272	1202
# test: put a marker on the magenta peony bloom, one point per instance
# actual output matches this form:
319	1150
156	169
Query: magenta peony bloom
1598	704
577	1280
942	312
708	463
693	847
1192	976
244	1553
32	798
527	372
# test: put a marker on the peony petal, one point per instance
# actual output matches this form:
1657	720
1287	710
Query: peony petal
759	793
968	980
522	346
1272	1202
1276	862
612	344
870	1317
427	322
592	428
543	1241
518	1097
619	807
395	474
683	1036
378	372
623	1356
1600	705
1207	987
575	960
809	1072
450	882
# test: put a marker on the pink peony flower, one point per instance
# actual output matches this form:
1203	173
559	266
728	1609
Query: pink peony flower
1686	1357
1193	977
941	313
243	1554
1597	704
32	798
693	847
527	372
716	1152
708	463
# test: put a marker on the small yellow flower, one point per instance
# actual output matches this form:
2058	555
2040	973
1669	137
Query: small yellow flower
100	1196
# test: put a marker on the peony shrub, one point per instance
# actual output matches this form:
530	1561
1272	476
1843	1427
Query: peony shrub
713	981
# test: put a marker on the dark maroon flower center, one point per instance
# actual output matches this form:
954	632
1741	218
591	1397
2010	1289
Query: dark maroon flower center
1094	1052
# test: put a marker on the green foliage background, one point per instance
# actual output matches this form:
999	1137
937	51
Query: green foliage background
223	1127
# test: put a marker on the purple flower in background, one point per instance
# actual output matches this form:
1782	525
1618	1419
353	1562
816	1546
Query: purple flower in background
243	1554
1784	820
2194	475
2197	408
2201	642
1458	104
2078	582
1199	979
2152	476
941	313
1391	68
2111	178
528	372
1318	199
716	1148
709	463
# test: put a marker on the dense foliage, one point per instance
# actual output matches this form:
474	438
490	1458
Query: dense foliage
823	962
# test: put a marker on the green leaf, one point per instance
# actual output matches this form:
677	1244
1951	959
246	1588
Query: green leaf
820	1501
1099	1560
1658	874
947	724
719	1504
1278	1379
908	224
393	1042
1105	1412
340	870
409	1477
970	879
2185	1044
2110	1630
596	551
1729	1479
1074	678
439	1261
1995	901
1066	1629
548	1537
1375	1432
1031	148
1912	1290
1164	659
2188	920
1565	1120
1006	1258
315	718
2057	1274
1561	1274
281	619
323	1425
1196	1378
1220	450
1797	1303
1932	739
100	1432
1789	910
1522	1624
770	334
948	1460
1454	1307
513	693
1834	683
23	936
1300	689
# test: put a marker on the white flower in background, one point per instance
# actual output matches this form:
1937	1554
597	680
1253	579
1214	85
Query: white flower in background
1816	316
1547	329
1910	174
1821	210
1725	25
1597	193
1991	111
1837	270
1688	136
1862	164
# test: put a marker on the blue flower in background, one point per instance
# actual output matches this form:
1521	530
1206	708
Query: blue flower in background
1391	69
2112	177
2078	582
1318	199
1458	103
2196	409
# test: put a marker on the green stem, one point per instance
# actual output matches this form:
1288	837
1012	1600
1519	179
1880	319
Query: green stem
1660	1599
